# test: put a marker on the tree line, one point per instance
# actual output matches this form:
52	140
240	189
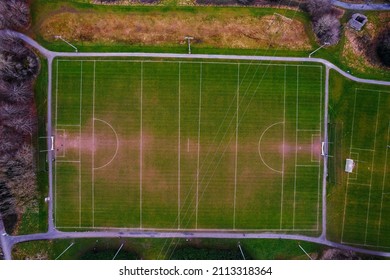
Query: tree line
18	119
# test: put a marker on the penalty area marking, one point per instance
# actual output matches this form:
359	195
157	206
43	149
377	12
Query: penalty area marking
117	144
313	152
259	147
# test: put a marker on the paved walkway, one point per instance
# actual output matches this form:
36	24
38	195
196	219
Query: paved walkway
7	242
4	241
361	7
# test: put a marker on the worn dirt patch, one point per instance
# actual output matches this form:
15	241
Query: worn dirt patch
170	29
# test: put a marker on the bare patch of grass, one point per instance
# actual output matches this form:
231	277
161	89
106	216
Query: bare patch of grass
162	29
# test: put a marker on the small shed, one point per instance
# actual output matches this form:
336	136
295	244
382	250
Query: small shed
357	21
349	165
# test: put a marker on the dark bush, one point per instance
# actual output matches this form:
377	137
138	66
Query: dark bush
383	47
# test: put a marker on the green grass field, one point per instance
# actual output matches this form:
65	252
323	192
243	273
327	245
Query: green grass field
359	203
187	145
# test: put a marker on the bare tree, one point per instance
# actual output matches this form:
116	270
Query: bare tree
318	8
22	183
17	62
327	29
7	202
16	92
19	117
14	14
10	141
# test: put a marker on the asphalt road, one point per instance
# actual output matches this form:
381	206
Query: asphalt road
361	7
8	242
4	241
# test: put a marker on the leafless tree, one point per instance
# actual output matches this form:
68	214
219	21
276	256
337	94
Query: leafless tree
10	141
19	117
17	62
318	8
8	110
327	29
14	14
22	183
16	92
7	202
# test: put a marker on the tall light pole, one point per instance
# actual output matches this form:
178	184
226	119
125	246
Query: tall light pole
242	253
325	44
305	252
188	38
60	37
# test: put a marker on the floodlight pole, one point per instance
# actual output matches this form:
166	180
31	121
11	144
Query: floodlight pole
326	43
305	252
62	39
188	38
117	252
65	250
242	253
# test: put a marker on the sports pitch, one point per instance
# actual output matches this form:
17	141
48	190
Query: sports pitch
360	130
188	145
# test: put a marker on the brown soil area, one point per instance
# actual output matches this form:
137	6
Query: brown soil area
335	254
163	29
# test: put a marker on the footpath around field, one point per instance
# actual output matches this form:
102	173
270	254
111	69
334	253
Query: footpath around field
8	241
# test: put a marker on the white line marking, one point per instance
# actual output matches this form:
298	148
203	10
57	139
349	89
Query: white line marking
236	156
359	149
296	146
276	63
141	148
79	194
81	104
319	156
68	161
346	190
356	167
178	158
62	155
312	149
93	144
56	94
70	125
197	168
366	245
117	144
358	184
372	169
55	162
383	185
283	149
246	230
259	147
